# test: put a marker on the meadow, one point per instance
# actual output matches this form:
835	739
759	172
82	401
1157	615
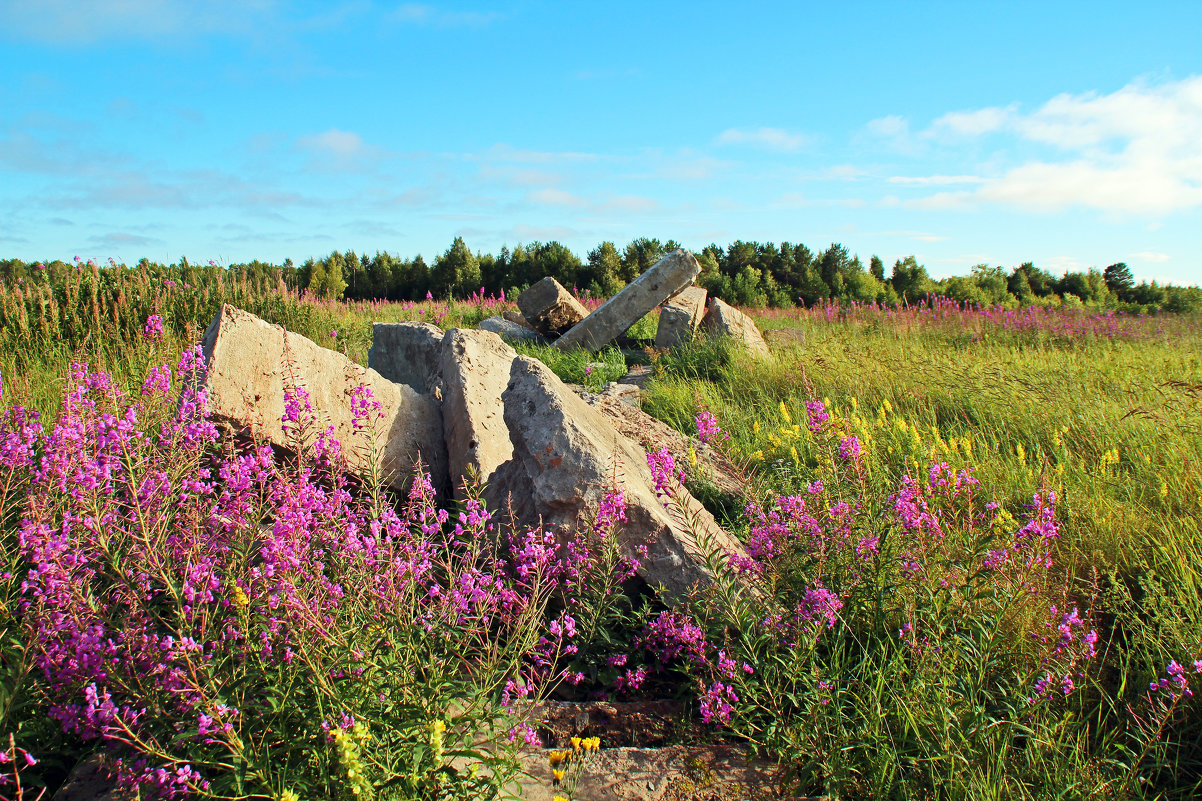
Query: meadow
975	532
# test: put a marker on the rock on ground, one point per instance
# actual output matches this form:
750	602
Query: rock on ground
611	319
724	320
550	308
404	353
675	773
680	317
250	365
511	330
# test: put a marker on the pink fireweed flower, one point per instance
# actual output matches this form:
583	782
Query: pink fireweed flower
152	331
664	472
707	427
817	415
849	448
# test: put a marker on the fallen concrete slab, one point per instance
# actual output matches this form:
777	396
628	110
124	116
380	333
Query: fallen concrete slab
252	362
550	308
666	278
680	318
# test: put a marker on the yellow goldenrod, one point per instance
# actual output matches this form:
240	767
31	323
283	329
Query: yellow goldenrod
784	413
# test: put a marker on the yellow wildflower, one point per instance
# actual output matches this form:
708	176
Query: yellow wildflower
558	774
1021	452
556	757
1164	488
755	427
758	456
289	795
692	456
793	453
239	597
887	406
576	744
592	743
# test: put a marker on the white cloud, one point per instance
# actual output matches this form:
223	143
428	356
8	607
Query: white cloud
1153	256
973	123
1137	150
770	138
343	148
889	127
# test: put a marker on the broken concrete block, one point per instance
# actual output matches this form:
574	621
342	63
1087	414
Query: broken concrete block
680	318
550	308
474	368
724	320
516	317
406	353
666	277
566	454
251	364
511	330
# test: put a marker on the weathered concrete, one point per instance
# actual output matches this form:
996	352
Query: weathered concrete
667	277
511	330
550	308
722	319
651	434
565	456
640	375
516	317
474	369
675	773
680	318
406	353
250	365
631	394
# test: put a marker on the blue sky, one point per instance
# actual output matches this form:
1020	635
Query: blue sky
1069	134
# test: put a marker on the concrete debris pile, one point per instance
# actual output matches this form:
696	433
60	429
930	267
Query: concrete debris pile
465	403
551	312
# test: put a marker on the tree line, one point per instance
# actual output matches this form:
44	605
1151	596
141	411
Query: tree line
743	273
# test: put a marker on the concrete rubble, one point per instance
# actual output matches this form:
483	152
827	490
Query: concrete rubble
680	318
550	309
251	364
612	318
723	320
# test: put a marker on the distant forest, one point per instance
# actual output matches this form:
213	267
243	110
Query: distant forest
743	273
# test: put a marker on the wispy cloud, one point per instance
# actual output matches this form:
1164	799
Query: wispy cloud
1137	150
1156	257
421	14
769	138
85	21
337	143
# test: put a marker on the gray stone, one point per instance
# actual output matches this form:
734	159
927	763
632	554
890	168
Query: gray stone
406	353
680	317
667	277
474	369
512	331
778	338
516	317
724	320
640	375
550	308
250	365
630	394
565	455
